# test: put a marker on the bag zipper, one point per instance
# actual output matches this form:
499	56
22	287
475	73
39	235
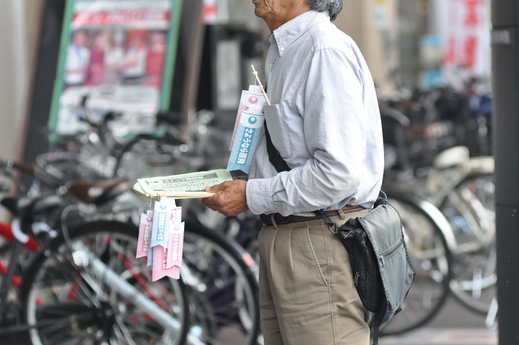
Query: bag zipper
389	252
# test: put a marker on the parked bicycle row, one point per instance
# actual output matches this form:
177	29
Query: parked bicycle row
431	156
71	275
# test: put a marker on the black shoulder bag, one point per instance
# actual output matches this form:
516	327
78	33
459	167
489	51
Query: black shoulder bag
382	270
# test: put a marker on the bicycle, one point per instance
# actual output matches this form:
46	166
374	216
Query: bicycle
91	287
464	193
212	309
42	284
462	188
470	208
221	279
17	250
218	276
38	223
172	152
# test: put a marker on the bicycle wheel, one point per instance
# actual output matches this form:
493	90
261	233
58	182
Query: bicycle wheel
431	258
470	209
223	290
68	301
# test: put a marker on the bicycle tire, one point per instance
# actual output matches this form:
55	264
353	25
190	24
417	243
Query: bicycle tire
432	259
244	229
59	303
223	290
470	209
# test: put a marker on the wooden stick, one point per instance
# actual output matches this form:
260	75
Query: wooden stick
261	85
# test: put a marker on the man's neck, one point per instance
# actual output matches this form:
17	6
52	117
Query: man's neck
293	13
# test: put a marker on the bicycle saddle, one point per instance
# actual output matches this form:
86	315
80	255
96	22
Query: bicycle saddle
31	207
98	192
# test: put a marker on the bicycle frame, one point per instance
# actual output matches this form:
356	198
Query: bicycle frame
6	231
84	258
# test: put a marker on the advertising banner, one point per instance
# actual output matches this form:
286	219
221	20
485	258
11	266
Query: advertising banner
115	55
467	36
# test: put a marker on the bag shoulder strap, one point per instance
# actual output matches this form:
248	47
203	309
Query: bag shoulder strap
375	327
274	156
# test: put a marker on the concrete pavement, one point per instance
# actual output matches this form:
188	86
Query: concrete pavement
444	336
454	325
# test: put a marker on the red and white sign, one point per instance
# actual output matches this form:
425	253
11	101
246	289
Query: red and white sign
154	15
141	17
467	36
210	12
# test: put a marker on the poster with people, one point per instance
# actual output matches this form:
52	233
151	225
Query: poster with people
115	55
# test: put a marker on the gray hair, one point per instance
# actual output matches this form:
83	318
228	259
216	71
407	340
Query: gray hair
333	6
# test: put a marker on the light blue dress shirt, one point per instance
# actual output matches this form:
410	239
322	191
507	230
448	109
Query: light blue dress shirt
323	119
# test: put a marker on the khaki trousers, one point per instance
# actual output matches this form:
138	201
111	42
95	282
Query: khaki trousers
307	296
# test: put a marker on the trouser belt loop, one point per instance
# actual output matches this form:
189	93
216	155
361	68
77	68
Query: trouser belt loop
273	220
342	214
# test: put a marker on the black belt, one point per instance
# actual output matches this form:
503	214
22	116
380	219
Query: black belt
266	219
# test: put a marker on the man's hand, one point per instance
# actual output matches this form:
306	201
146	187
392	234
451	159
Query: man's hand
229	200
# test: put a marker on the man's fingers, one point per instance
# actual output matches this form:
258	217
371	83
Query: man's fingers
214	189
210	203
228	199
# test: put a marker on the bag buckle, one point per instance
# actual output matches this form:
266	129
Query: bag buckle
332	226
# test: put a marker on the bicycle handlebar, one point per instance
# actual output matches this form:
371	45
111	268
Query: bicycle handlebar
170	118
22	167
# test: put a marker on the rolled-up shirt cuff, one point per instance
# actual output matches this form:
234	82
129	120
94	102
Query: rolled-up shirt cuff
259	199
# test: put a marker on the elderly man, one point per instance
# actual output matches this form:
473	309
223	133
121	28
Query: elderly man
324	121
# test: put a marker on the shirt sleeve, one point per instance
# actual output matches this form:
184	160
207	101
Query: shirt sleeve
335	121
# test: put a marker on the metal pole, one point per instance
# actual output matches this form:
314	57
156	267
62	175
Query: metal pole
505	90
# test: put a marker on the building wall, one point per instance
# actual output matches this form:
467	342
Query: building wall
374	33
14	76
18	32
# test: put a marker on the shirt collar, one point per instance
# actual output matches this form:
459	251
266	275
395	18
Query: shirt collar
287	33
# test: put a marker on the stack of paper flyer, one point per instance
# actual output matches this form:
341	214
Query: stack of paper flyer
161	238
183	186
